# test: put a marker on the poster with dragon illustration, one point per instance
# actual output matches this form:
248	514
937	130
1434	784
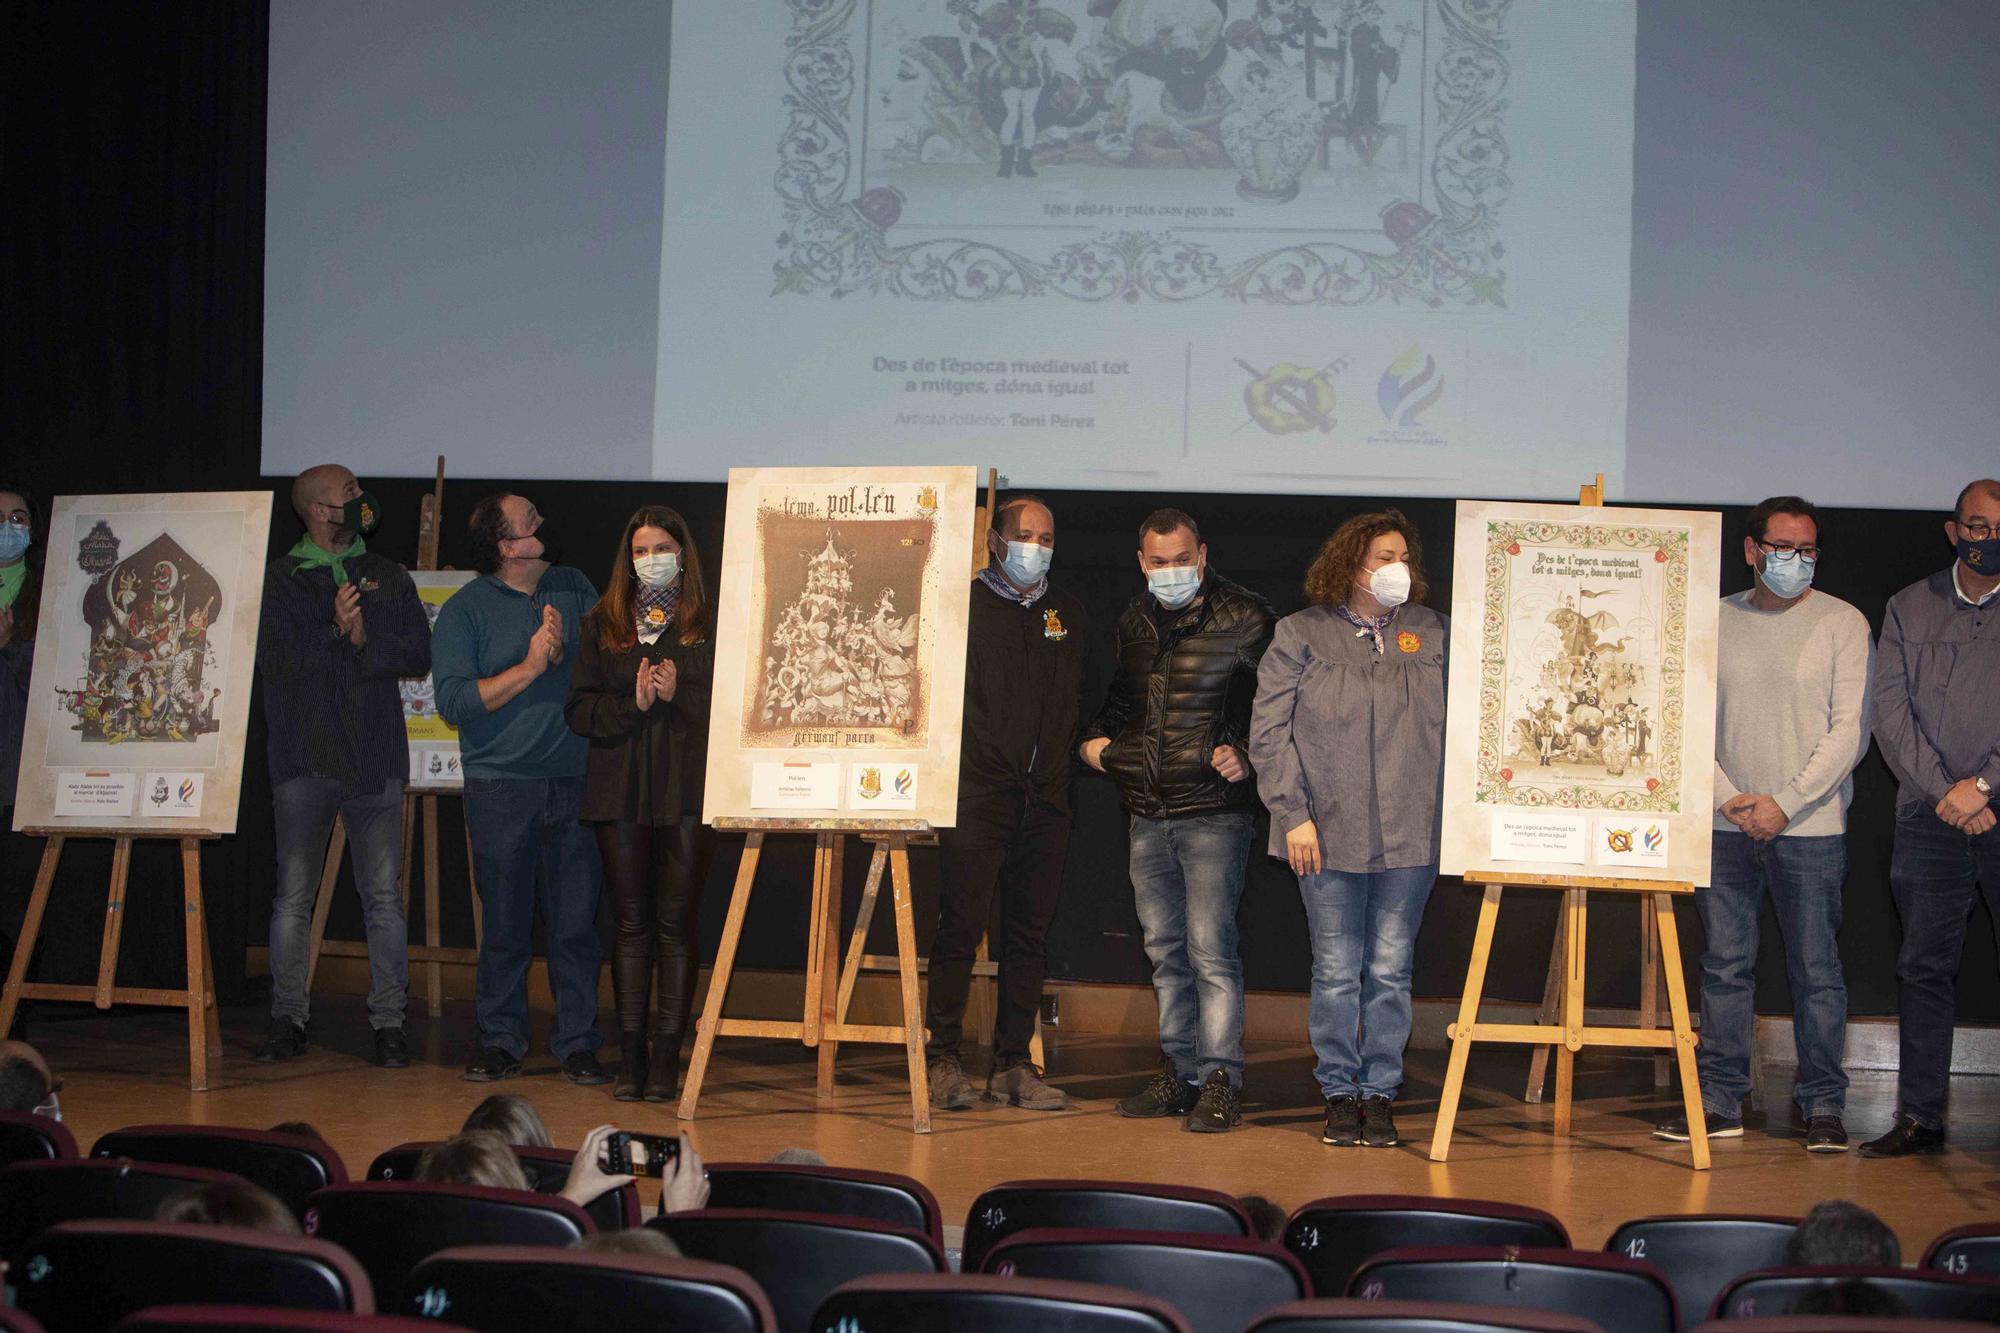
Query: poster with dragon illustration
1582	742
840	651
140	691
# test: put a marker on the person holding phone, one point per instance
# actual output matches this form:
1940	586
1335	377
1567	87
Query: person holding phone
639	694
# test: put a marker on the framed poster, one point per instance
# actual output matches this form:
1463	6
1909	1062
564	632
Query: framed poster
143	665
434	764
1580	723
840	644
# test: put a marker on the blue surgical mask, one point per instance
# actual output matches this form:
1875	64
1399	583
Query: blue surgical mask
1027	562
1174	585
13	541
1789	577
1981	557
658	571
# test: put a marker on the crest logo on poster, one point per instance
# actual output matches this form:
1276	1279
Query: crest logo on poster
1619	840
927	501
870	785
97	553
159	796
1288	399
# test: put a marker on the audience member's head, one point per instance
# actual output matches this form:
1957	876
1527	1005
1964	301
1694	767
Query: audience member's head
478	1157
1849	1297
298	1129
1267	1220
513	1118
1839	1232
25	1081
229	1203
798	1157
633	1240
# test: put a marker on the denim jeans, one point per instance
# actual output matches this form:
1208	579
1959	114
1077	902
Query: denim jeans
1364	935
304	808
1803	876
1187	879
1934	873
530	852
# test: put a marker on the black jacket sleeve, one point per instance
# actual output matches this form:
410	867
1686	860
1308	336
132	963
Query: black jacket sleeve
1258	628
398	640
600	703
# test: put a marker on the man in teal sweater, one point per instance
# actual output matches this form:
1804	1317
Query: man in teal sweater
500	656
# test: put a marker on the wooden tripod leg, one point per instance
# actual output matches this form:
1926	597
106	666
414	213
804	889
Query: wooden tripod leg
114	921
336	845
1576	919
718	979
433	907
906	973
31	929
1649	984
213	1020
827	964
202	1036
1551	1010
858	943
1677	1004
1468	1019
815	924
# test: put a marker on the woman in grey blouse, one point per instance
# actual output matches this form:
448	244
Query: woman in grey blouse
1347	739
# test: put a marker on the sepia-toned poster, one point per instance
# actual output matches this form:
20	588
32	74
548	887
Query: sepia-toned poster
840	650
1581	721
144	661
434	758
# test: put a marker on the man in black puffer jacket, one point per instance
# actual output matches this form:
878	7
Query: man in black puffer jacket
1173	734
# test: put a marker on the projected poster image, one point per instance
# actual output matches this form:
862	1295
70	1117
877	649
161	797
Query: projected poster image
1302	244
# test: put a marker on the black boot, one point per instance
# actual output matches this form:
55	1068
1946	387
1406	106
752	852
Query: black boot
631	1067
1006	161
663	1080
1023	161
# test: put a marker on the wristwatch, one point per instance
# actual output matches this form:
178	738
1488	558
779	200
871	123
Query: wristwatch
1985	788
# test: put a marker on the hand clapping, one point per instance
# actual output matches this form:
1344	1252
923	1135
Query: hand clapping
653	682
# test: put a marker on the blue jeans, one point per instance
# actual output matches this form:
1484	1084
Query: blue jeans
304	809
1187	879
1803	876
530	852
1935	874
1364	935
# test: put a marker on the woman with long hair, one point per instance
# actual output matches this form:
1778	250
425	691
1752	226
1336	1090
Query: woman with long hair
21	539
1347	740
639	692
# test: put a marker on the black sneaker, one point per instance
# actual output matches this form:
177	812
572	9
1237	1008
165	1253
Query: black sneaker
1378	1123
581	1067
1218	1109
1167	1094
287	1041
1825	1133
392	1048
492	1065
1906	1138
1719	1127
1343	1122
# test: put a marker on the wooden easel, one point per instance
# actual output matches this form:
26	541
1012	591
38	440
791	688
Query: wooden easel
198	997
1561	1024
417	798
829	986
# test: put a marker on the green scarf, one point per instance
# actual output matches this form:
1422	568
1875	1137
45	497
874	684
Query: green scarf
312	556
11	578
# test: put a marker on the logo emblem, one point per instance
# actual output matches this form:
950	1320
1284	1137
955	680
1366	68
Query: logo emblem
1288	399
186	790
159	791
1619	840
905	781
1052	626
1410	387
1408	642
871	783
97	553
927	501
655	616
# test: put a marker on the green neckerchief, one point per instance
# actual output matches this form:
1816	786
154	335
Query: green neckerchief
11	578
312	556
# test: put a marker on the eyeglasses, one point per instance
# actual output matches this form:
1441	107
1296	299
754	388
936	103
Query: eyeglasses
1783	552
1978	529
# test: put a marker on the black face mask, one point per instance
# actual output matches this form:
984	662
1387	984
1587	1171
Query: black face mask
361	515
551	548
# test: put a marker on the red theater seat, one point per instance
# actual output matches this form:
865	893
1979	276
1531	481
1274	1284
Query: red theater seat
1619	1293
33	1138
1699	1253
907	1303
1110	1205
1218	1283
835	1191
505	1287
547	1170
1352	1316
799	1258
391	1226
34	1196
289	1166
1924	1292
1333	1237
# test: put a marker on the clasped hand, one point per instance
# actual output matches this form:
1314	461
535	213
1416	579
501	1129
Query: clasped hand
654	682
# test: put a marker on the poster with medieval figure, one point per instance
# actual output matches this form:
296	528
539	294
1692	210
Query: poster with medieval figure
1582	742
141	685
840	650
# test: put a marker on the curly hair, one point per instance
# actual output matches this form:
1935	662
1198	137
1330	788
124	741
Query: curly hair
1338	563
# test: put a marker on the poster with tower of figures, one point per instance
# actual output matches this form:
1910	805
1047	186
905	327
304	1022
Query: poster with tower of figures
840	644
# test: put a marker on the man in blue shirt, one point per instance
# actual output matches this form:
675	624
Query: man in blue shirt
500	658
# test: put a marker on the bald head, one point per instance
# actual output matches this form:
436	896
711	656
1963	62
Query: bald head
24	1077
1983	493
327	484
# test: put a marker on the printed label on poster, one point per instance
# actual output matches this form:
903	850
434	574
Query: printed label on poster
436	767
795	786
1561	839
1630	841
882	787
94	795
170	795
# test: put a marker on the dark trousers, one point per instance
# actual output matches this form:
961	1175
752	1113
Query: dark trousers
1935	874
1014	845
655	873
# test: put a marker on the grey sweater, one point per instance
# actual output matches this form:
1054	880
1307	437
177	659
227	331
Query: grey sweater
1791	708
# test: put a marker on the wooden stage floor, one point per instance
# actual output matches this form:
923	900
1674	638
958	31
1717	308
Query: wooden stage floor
130	1068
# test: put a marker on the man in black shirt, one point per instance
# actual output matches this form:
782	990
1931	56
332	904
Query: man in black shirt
1023	697
341	626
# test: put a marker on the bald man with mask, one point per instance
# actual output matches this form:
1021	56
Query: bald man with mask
341	627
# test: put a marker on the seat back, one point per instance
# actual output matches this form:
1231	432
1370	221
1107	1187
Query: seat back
18	1321
390	1226
1346	1315
268	1319
1218	1283
834	1191
1109	1205
1926	1293
1840	1323
25	1137
993	1305
34	1196
1333	1237
506	1287
289	1166
86	1276
799	1258
1626	1294
547	1170
1971	1249
1698	1253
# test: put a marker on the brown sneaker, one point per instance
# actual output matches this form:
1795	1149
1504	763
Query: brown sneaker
951	1090
1021	1085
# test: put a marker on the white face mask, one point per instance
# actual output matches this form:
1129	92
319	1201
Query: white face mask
1390	584
1174	585
1027	562
658	571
